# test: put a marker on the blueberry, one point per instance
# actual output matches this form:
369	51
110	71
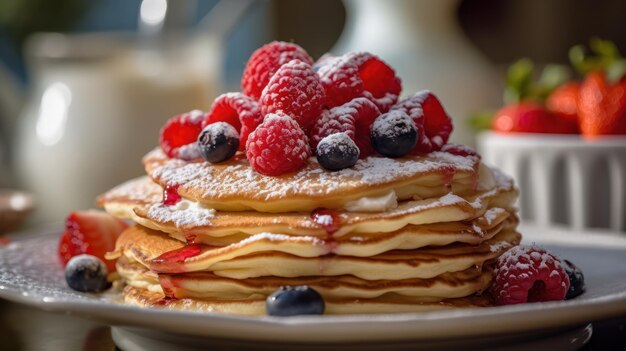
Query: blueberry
293	301
394	134
576	280
337	151
218	142
86	273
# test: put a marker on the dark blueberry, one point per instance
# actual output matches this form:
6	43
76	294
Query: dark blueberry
86	273
218	142
576	280
337	151
293	301
394	134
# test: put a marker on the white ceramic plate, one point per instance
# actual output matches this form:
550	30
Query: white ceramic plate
31	274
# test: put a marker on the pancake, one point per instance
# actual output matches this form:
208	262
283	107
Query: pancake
388	303
185	222
234	186
208	285
299	256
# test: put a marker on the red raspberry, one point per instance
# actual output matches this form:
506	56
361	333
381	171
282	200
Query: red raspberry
277	146
433	123
529	274
340	79
180	133
354	118
359	74
265	61
296	91
238	110
90	232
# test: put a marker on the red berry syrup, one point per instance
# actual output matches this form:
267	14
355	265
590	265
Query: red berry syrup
170	195
171	261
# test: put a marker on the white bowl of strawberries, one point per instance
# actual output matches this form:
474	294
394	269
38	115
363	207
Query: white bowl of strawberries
565	145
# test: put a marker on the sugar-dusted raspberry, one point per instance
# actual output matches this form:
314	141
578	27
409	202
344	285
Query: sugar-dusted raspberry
359	74
179	135
353	118
296	91
340	79
238	110
278	146
529	274
426	111
459	150
380	82
265	61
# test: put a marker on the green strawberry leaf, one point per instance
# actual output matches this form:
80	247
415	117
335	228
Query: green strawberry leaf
518	79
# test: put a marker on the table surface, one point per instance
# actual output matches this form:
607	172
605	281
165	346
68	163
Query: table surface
26	328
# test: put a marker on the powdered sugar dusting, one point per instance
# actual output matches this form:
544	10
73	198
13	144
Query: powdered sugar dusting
184	214
230	180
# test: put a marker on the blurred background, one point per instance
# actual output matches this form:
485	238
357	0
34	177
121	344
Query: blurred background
85	85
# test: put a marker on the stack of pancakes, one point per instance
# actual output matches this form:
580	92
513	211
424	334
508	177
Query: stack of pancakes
387	235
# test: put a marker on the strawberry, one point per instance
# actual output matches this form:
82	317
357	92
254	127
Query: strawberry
602	106
90	232
529	117
563	101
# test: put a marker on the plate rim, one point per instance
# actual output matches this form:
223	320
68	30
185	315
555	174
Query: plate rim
389	327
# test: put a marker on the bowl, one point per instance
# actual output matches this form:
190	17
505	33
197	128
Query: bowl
563	179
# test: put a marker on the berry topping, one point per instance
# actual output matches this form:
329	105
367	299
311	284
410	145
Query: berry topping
340	79
238	110
394	134
86	273
296	90
433	123
337	151
265	61
278	146
529	274
294	300
459	150
359	74
179	135
529	117
353	118
218	142
170	195
90	232
576	280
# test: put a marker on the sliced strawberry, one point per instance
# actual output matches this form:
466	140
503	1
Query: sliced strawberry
602	106
90	232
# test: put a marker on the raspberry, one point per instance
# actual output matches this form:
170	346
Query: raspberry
238	110
340	79
432	121
278	146
179	135
265	61
296	91
529	274
353	118
359	74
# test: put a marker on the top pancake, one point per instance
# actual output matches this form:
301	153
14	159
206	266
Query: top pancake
235	186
